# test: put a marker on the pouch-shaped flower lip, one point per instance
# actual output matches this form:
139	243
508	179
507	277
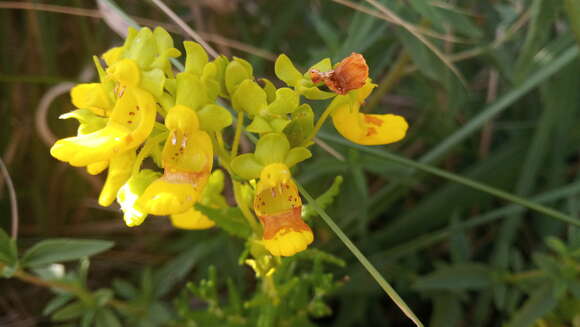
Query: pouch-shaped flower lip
286	234
365	129
173	193
130	124
191	219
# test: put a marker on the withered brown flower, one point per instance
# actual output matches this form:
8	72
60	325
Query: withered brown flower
350	74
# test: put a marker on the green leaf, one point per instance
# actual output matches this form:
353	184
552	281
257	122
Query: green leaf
540	303
190	91
246	166
58	250
459	277
269	88
56	302
229	219
272	148
259	125
8	253
297	155
323	200
71	311
214	118
106	318
235	74
285	70
249	97
196	58
286	102
301	125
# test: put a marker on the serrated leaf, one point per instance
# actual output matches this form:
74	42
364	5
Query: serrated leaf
59	250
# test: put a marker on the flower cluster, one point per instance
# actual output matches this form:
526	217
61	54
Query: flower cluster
141	109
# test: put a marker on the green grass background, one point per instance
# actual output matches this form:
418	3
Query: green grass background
459	256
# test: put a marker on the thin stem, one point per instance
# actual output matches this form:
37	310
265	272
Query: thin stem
239	127
250	218
171	14
13	200
79	292
318	125
361	258
391	78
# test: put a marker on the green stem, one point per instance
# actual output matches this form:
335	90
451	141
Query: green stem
244	208
361	258
318	125
239	127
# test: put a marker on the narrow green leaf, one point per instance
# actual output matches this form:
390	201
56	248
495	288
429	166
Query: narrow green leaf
229	219
540	303
459	277
59	250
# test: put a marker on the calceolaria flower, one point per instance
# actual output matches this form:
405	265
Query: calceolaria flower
142	110
210	197
277	202
187	159
130	123
365	129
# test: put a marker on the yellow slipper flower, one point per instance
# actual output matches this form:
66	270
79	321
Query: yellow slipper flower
363	128
279	208
130	124
187	159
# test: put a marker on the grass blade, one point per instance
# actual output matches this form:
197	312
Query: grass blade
361	258
459	179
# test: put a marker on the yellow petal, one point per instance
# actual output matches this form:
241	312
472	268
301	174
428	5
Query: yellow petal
130	124
92	96
173	193
191	219
126	72
91	148
113	55
288	242
97	167
120	170
368	129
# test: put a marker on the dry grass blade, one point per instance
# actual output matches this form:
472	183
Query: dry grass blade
419	36
185	27
13	201
389	19
94	13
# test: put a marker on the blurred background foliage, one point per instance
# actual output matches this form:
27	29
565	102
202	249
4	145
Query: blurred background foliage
508	117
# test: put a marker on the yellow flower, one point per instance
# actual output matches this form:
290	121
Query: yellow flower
130	124
92	96
279	208
362	128
187	159
127	197
191	219
120	169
